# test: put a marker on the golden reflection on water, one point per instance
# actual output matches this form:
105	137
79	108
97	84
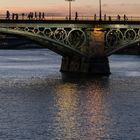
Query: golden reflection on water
81	116
98	119
67	104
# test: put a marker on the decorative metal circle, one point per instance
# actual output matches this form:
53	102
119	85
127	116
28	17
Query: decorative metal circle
114	37
35	31
41	29
130	34
60	34
21	28
139	32
76	38
26	29
48	32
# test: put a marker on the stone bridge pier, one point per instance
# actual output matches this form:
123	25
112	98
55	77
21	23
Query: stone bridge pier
95	60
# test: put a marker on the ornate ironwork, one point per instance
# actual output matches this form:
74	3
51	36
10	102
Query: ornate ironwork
114	37
130	34
75	38
82	39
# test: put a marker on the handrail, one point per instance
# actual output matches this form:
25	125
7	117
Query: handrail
90	18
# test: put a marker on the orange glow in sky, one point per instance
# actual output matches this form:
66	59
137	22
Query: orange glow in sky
84	7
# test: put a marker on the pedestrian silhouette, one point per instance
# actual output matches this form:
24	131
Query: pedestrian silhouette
125	18
105	17
7	15
29	16
76	16
118	18
109	18
32	15
22	16
95	17
43	15
35	15
13	16
39	15
16	16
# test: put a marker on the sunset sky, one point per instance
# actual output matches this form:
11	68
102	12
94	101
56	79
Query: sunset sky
84	7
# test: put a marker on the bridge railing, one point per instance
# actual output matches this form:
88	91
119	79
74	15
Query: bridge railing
89	18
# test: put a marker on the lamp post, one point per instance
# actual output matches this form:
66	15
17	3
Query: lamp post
69	8
100	10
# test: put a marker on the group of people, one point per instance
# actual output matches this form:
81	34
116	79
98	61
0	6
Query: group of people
30	16
41	16
125	18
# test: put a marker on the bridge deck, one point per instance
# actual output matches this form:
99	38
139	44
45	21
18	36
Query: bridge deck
71	22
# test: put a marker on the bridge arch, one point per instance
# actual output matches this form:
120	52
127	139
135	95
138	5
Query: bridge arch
51	44
123	47
118	39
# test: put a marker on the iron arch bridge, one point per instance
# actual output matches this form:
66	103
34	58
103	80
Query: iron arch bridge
117	39
58	41
81	43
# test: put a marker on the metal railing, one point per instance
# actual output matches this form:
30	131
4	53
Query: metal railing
86	18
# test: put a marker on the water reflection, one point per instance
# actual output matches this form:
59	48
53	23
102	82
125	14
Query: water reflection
67	106
37	103
82	114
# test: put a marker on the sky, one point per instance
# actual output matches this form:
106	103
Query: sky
83	7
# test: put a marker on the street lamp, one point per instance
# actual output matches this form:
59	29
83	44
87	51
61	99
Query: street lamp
100	10
69	8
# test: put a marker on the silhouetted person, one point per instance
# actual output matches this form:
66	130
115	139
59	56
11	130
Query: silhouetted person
109	18
22	16
76	16
125	18
66	17
95	17
118	18
16	16
43	15
39	15
29	15
105	17
32	15
13	16
35	15
7	15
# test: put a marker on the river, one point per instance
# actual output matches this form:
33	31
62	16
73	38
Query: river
38	103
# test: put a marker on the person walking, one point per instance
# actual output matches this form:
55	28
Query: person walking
22	16
39	15
13	16
29	16
43	15
16	16
36	15
104	17
118	18
125	18
7	15
95	17
76	16
109	18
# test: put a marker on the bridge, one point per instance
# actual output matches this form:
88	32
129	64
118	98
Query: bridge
84	45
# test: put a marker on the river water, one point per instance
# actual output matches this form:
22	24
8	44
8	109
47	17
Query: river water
38	103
